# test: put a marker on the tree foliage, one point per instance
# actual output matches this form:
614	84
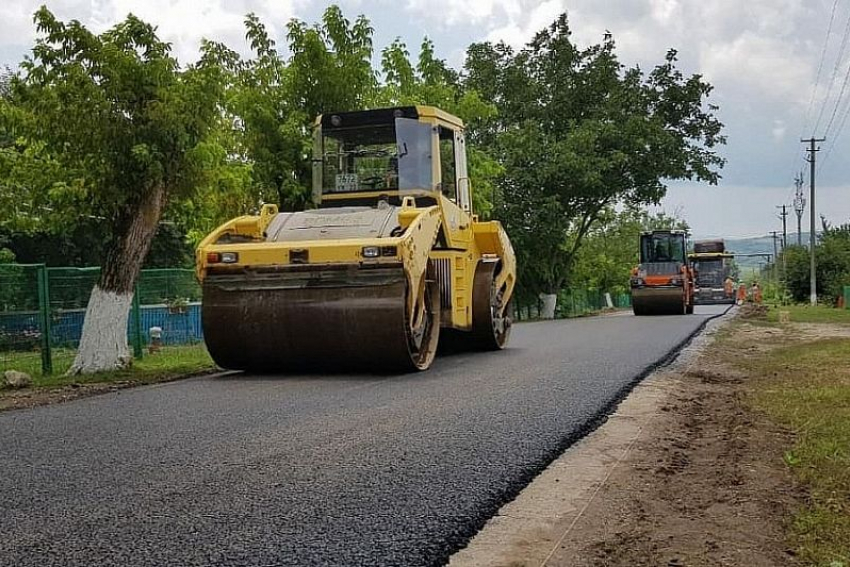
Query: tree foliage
832	257
110	127
578	133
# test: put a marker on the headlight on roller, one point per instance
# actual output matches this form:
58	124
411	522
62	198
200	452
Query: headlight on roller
371	251
222	257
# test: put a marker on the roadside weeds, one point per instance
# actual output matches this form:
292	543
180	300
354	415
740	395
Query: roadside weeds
152	369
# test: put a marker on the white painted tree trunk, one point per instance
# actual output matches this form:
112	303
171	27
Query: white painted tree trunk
103	345
549	300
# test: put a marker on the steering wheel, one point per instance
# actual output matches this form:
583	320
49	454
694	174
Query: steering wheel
372	181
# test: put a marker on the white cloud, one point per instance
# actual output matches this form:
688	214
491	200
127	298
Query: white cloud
454	12
520	31
16	25
778	130
183	23
663	11
766	67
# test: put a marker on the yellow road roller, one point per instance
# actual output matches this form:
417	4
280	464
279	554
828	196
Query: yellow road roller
391	257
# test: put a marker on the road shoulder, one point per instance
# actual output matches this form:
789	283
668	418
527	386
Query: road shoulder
681	474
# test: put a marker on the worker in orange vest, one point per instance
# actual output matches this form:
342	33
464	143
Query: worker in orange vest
742	294
729	287
756	292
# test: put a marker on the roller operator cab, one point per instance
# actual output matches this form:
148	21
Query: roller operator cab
663	283
391	257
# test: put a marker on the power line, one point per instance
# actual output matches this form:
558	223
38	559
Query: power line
820	67
837	101
836	135
838	59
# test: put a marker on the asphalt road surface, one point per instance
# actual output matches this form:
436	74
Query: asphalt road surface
312	470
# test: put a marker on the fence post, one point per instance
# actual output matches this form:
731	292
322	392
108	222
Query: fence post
44	314
136	314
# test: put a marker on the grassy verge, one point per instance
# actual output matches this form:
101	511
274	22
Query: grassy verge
169	363
809	314
806	387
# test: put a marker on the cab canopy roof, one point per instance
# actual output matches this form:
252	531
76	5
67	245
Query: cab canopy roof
710	255
386	116
666	231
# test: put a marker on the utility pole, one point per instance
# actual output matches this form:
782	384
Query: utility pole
799	206
774	234
783	215
812	159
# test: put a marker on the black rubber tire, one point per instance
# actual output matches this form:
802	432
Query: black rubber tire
489	332
422	356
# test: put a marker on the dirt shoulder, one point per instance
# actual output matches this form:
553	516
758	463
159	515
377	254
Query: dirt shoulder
73	390
688	471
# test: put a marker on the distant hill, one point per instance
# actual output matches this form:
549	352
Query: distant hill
756	245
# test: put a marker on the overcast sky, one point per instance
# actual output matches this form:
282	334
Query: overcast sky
762	56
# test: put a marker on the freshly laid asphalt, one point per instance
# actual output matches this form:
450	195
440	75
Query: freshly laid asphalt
313	470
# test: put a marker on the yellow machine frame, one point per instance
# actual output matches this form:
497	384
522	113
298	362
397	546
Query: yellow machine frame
440	232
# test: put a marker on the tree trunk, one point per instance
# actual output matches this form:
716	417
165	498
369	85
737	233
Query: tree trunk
549	301
103	344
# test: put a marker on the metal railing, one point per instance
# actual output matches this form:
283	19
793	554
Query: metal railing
573	302
42	311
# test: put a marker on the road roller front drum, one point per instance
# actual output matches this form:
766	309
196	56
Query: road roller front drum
340	321
659	301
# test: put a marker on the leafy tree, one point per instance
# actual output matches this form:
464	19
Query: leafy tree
116	130
832	256
270	104
331	63
6	255
611	247
577	133
271	128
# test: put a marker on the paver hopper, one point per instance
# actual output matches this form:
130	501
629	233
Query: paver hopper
391	254
663	283
712	267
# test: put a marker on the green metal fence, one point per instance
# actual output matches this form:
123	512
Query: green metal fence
574	302
42	311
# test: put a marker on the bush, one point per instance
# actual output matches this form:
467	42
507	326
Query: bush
832	254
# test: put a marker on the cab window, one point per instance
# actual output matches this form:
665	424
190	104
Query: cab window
448	166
